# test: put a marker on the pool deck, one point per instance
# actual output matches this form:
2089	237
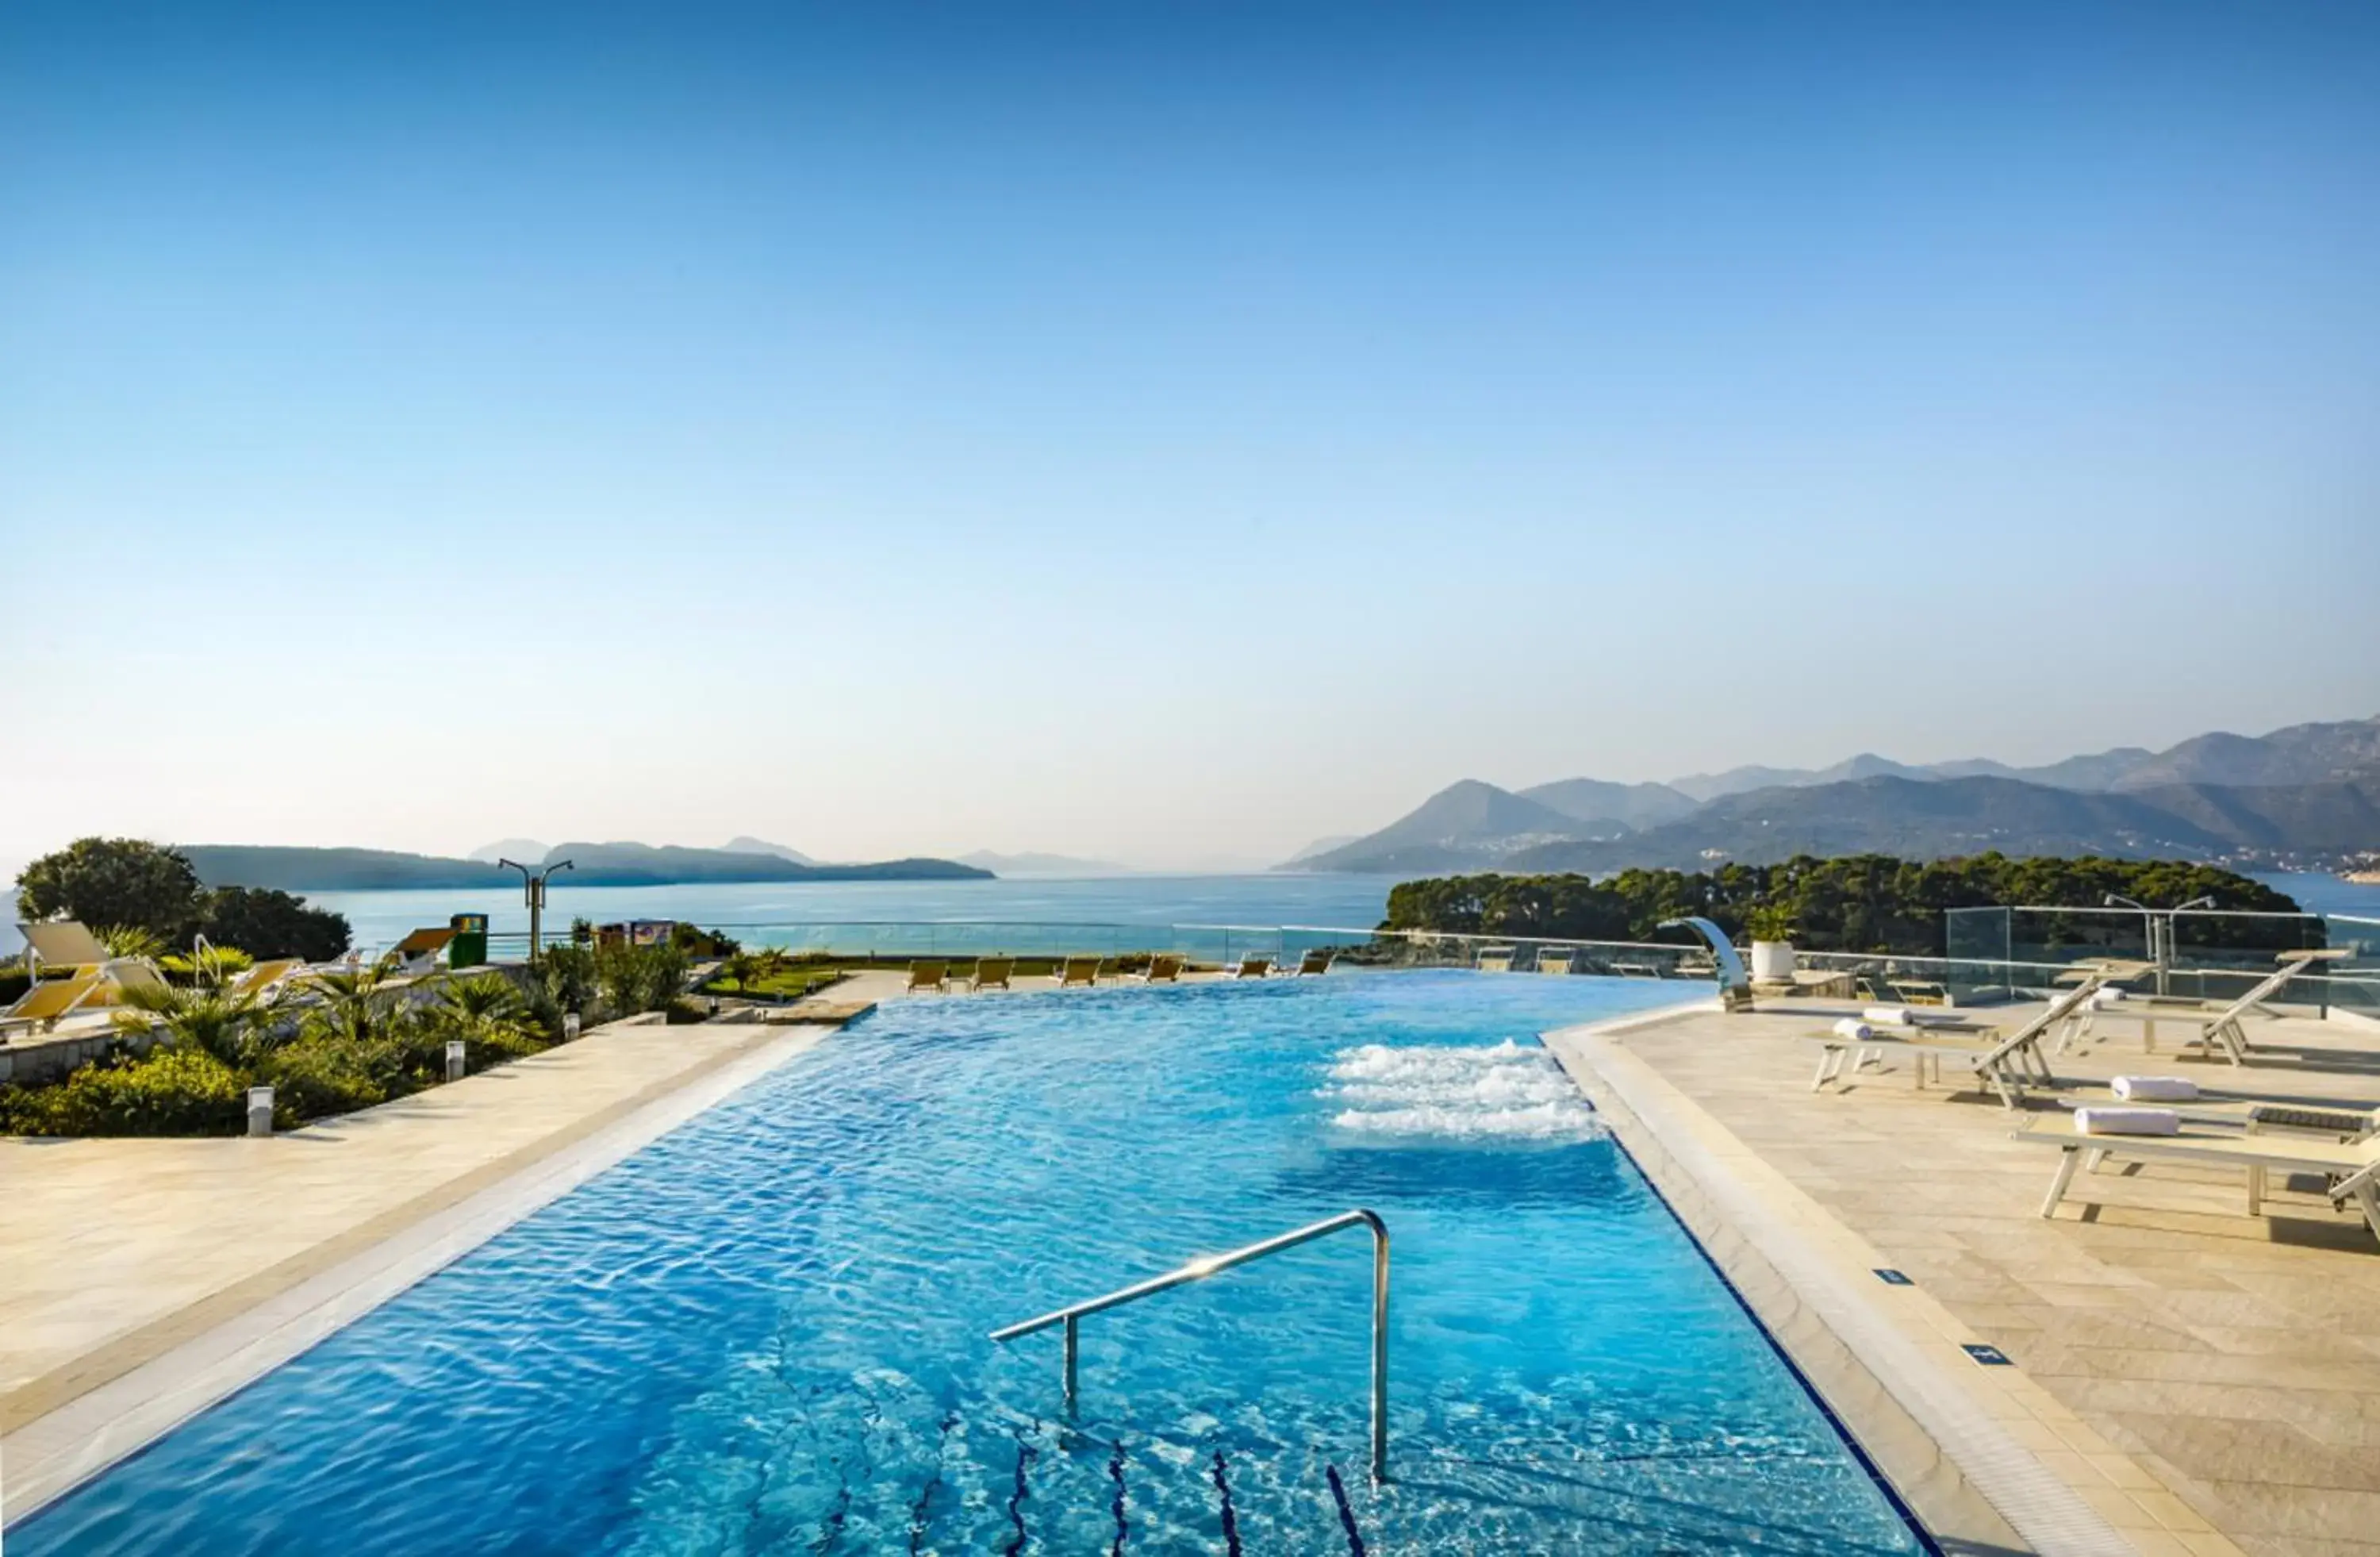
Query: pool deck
2199	1381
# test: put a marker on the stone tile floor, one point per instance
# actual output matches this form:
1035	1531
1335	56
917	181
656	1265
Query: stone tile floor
2237	1358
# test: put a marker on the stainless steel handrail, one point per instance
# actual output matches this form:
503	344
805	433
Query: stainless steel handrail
1207	1265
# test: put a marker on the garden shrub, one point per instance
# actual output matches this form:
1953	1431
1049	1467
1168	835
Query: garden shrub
318	1077
172	1092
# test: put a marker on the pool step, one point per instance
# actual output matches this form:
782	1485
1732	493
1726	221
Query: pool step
1034	1516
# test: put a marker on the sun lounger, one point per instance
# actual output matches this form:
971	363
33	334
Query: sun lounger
1083	972
52	999
1314	964
266	976
1555	962
2007	1064
934	976
63	944
2353	1167
1249	967
2347	1122
2220	1027
1495	959
991	973
1165	967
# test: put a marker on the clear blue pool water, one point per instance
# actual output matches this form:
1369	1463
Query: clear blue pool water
767	1332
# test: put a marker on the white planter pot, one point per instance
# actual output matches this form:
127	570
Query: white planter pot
1772	959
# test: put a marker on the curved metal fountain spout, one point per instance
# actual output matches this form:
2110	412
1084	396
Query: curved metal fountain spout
1735	984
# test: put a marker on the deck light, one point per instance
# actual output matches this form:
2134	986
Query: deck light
259	1110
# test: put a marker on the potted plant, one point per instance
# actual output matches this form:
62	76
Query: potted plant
1771	924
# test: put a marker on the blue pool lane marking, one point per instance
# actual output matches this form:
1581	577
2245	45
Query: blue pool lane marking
1346	1515
1986	1357
1231	1520
1893	1278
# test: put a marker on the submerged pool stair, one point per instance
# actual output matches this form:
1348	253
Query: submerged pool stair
1069	1317
1025	1533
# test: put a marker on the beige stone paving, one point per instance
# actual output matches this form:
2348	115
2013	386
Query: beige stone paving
2234	1359
111	1252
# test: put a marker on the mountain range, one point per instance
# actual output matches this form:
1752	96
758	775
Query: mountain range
609	864
2306	795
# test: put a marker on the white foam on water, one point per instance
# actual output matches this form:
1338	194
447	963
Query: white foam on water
1507	1092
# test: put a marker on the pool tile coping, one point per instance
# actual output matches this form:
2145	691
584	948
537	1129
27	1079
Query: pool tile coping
53	1454
2011	1456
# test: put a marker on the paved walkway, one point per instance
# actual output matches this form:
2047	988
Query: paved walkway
2157	1327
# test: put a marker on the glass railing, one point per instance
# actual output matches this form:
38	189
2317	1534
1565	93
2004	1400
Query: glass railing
1203	945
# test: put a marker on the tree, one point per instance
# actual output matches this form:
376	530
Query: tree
114	882
266	923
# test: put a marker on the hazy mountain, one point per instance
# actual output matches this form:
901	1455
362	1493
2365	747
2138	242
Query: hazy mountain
2299	754
2103	770
1598	803
307	869
2307	790
1319	846
1032	864
303	869
630	864
1930	819
744	845
1459	826
526	850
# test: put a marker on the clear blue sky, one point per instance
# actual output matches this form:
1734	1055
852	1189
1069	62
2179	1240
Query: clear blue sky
1167	432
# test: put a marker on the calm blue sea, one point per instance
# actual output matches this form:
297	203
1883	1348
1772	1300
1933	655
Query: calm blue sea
1329	902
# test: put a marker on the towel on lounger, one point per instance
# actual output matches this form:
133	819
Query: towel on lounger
2127	1121
1853	1029
2107	994
2154	1089
1889	1016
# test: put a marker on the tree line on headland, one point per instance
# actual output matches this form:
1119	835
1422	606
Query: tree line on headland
1857	903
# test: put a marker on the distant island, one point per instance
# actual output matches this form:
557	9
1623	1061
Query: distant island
607	865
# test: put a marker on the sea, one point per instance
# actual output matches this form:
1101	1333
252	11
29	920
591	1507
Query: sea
1329	902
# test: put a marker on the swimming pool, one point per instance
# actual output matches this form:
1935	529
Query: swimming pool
768	1330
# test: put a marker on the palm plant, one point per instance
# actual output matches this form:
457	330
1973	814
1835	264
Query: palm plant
206	964
238	1030
130	941
484	1009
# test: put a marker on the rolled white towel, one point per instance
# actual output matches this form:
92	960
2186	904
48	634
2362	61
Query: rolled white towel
1891	1017
2154	1089
2106	996
2127	1121
1853	1029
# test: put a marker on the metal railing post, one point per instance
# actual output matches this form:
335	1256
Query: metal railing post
1074	1341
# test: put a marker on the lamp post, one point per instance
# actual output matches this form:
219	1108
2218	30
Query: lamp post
533	892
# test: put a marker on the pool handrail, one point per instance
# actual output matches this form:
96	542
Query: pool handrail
1198	1269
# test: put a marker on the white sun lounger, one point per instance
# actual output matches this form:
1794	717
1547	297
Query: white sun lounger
2009	1064
2351	1122
2353	1167
2220	1027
